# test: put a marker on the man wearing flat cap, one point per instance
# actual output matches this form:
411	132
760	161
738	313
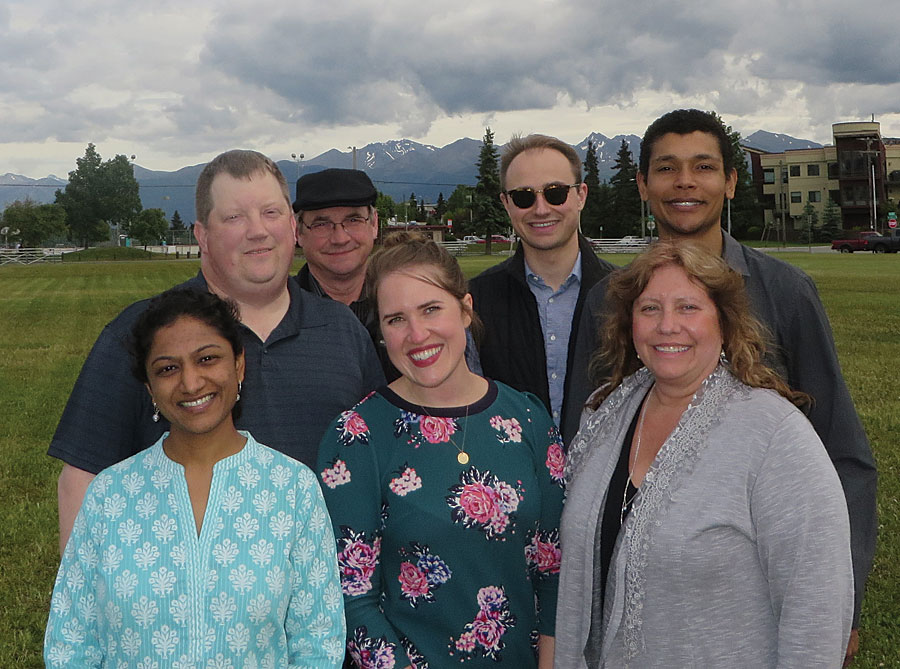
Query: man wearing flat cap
337	225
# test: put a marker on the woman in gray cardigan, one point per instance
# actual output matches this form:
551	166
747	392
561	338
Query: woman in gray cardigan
705	525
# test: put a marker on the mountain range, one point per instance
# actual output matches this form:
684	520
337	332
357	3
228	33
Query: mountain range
398	168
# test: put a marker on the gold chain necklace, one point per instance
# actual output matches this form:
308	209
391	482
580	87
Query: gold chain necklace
462	457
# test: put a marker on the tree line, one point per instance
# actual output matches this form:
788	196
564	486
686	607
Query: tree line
101	196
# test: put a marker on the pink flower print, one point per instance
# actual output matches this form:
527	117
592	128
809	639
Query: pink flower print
507	497
482	500
556	462
413	582
336	475
510	429
491	598
406	482
351	427
479	502
357	560
370	653
466	642
487	630
484	635
542	553
437	430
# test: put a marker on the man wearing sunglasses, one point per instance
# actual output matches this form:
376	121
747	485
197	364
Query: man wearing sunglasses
337	225
528	304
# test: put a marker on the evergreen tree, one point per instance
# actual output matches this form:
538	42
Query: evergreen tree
831	222
422	215
489	213
591	220
626	199
177	223
440	207
412	206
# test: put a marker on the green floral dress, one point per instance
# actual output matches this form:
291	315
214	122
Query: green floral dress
446	559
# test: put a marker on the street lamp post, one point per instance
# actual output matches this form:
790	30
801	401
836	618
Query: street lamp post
298	158
353	149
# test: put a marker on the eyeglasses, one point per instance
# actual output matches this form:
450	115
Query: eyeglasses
524	198
350	225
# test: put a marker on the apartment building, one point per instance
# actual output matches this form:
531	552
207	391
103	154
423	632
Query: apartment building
860	172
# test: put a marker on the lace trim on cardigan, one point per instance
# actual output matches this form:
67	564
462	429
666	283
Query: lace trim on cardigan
676	459
598	423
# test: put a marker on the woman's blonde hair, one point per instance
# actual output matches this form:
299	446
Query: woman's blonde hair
744	338
402	250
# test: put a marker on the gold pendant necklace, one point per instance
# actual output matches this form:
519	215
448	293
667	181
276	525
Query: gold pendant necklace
462	457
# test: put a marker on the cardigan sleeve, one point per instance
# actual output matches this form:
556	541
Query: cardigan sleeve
350	476
803	539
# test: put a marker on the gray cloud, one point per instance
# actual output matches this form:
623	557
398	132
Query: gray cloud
193	78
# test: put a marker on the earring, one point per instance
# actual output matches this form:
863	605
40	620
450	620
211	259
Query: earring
238	398
722	358
381	342
155	413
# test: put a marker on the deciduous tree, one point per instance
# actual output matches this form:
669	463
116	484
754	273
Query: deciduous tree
149	227
99	194
32	224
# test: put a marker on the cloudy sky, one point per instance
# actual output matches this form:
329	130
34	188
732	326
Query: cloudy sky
175	83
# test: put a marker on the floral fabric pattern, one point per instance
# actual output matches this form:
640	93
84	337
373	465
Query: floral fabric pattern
556	458
543	553
351	427
406	482
357	559
425	543
419	579
259	586
483	501
484	635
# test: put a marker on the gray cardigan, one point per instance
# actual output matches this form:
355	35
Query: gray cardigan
736	552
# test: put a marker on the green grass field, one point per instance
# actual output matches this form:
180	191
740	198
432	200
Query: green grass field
52	314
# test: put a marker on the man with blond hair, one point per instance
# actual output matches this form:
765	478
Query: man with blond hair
307	358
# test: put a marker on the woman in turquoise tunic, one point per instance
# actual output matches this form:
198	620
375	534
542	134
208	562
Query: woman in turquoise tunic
445	489
208	549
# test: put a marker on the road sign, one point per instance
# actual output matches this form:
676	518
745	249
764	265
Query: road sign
892	223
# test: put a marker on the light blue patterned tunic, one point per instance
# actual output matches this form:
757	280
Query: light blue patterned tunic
259	587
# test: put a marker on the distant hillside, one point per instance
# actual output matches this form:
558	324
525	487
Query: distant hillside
398	168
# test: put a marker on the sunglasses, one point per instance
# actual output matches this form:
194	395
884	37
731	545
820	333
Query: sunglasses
524	198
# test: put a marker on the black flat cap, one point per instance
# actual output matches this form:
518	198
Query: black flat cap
334	188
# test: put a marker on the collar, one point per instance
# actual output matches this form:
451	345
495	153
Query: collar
574	275
733	254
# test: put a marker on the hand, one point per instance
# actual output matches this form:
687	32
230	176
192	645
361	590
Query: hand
852	647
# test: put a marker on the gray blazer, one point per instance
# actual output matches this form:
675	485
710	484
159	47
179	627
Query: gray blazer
736	552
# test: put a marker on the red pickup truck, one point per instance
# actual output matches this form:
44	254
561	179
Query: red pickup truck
866	240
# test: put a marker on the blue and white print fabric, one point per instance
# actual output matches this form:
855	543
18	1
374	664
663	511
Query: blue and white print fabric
259	586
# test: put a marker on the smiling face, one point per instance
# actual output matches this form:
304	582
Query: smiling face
193	377
424	331
686	185
676	331
544	226
247	241
343	252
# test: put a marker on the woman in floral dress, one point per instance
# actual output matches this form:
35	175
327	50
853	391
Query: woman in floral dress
445	489
207	550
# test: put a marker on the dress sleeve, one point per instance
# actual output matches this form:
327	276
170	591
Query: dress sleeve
813	367
803	539
350	482
315	617
72	638
92	440
542	552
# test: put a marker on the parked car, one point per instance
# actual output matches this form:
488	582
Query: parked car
472	239
889	242
856	240
497	239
